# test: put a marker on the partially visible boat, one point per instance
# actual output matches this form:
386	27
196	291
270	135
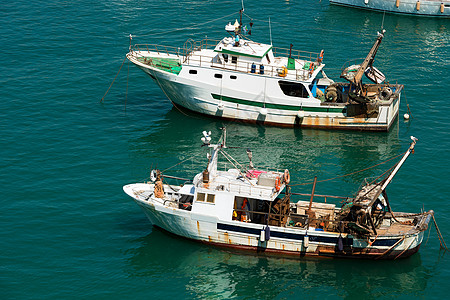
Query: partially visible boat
239	79
427	8
253	209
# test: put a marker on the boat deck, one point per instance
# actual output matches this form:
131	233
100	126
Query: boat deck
395	229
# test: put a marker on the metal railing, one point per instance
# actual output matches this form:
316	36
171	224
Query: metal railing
190	54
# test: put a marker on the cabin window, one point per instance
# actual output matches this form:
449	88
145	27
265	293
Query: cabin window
234	59
218	75
201	197
233	77
210	198
267	57
225	57
293	89
192	71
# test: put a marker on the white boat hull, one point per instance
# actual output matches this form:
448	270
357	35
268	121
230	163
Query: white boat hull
283	241
409	7
244	99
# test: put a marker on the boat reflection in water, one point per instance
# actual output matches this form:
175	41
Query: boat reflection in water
209	272
305	152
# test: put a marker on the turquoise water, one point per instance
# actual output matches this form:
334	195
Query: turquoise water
69	231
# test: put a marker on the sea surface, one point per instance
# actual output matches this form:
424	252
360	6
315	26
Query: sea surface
68	231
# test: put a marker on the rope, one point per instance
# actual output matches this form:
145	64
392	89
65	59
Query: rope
101	100
393	246
243	176
181	162
196	26
323	29
228	157
173	103
306	183
404	250
128	76
407	105
429	231
441	238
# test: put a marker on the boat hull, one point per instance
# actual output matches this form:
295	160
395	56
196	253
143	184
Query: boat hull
407	7
245	100
286	242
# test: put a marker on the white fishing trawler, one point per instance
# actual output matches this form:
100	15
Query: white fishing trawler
237	78
425	8
253	209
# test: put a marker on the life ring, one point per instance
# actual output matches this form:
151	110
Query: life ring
282	72
287	176
311	68
320	58
277	183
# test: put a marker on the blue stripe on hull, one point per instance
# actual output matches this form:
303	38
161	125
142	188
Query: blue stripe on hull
300	237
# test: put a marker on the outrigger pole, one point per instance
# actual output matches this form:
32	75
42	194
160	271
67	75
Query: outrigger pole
356	80
397	167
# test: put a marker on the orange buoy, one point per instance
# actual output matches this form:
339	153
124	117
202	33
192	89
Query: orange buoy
287	176
311	68
418	5
442	8
397	3
159	189
277	183
320	58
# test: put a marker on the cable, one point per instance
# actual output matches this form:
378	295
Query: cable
307	183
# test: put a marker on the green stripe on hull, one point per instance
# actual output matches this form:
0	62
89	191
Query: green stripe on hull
276	106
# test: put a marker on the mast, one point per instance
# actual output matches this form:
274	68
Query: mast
388	180
215	148
397	167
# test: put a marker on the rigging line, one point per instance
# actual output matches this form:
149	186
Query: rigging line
384	173
429	231
240	172
228	155
306	183
323	29
181	162
173	103
101	100
439	234
407	105
195	26
392	247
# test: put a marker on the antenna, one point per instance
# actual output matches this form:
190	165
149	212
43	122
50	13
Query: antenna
242	5
382	22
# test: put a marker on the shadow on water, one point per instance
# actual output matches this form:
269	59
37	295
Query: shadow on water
207	272
175	137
